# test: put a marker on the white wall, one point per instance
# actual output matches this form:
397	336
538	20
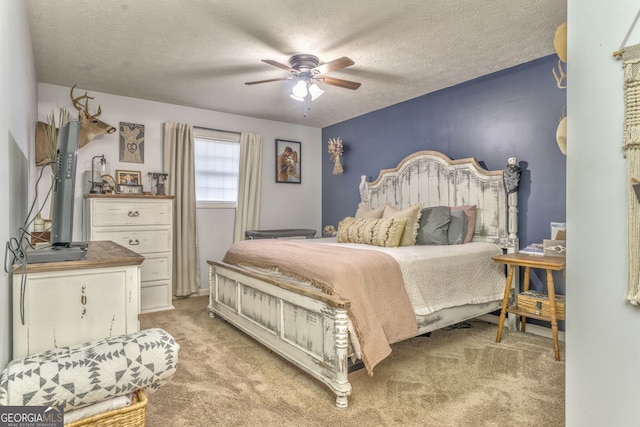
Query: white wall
602	330
17	116
283	205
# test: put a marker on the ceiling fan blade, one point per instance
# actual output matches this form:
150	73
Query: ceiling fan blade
267	81
279	65
339	82
333	65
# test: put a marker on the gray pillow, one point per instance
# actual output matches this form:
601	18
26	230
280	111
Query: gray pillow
433	228
457	227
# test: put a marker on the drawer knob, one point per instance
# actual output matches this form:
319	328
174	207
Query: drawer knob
133	214
134	242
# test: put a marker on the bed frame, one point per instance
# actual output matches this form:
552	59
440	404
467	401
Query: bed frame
310	328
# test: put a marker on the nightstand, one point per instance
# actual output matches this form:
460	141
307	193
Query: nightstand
547	303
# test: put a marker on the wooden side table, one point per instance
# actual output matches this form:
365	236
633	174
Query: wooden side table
547	263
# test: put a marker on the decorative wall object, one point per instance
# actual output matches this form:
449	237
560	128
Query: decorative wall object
335	152
631	148
90	127
288	161
560	46
131	142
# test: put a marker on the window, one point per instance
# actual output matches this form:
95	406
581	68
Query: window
216	162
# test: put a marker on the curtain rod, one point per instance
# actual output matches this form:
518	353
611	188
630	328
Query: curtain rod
218	130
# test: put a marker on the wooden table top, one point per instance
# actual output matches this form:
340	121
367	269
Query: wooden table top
533	261
99	254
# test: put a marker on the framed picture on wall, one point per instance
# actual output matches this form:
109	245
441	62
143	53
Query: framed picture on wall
131	142
288	162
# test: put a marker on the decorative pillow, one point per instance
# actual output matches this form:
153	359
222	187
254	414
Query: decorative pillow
433	228
457	227
412	214
365	211
371	231
471	212
83	374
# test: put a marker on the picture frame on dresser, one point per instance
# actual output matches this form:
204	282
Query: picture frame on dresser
127	177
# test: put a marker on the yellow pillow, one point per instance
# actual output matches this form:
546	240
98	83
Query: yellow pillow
371	231
412	215
365	211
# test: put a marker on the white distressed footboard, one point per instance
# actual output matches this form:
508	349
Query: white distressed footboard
306	327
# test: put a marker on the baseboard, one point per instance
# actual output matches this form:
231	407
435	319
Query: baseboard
531	328
201	292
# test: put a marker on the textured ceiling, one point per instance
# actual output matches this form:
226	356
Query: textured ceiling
200	53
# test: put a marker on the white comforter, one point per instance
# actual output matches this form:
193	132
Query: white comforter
438	277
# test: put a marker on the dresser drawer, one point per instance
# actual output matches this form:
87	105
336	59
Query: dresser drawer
150	240
136	212
155	268
155	297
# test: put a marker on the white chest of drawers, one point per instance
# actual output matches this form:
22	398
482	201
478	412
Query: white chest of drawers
143	224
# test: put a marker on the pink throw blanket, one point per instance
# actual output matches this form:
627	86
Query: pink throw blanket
372	281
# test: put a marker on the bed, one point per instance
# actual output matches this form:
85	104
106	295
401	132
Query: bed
299	310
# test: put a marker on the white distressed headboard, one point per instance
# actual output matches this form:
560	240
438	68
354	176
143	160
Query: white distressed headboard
434	179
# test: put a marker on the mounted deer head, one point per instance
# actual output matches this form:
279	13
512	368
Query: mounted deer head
90	127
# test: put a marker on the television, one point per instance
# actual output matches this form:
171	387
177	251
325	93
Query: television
62	202
64	183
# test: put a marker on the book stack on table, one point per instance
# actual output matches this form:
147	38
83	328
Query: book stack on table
533	249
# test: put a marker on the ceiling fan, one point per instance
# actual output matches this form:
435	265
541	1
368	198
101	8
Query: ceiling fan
306	68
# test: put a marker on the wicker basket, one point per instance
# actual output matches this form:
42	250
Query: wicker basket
134	415
538	303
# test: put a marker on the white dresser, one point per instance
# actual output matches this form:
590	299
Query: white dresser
57	304
143	224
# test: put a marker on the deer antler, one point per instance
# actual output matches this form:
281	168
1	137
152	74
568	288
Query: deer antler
85	107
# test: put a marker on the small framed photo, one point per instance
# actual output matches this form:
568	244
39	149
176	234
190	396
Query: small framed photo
128	177
288	162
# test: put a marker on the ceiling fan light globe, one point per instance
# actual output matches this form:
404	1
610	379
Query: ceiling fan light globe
297	98
315	91
300	89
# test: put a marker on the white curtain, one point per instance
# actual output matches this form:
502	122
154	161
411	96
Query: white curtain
178	162
249	185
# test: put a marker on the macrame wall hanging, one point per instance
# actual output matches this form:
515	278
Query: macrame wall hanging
560	45
631	149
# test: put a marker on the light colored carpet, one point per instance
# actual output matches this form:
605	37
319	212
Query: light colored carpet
456	377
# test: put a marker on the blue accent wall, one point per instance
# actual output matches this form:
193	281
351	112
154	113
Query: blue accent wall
510	113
